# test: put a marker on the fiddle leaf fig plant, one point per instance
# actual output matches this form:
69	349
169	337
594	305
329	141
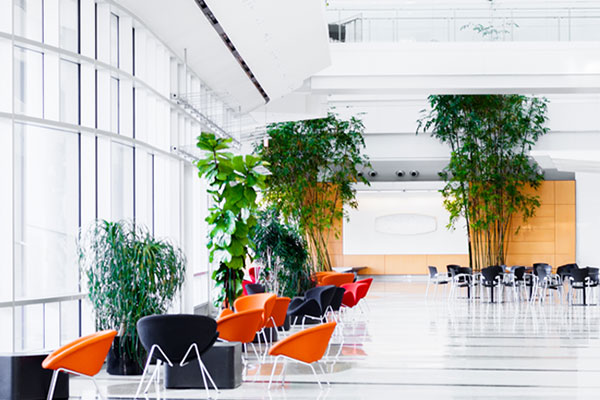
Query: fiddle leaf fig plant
233	182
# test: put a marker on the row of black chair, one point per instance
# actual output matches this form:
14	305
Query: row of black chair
316	303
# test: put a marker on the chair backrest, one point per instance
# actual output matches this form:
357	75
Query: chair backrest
540	271
279	311
519	273
547	268
368	281
564	271
84	355
240	326
491	273
252	274
350	297
264	301
307	346
323	295
465	270
175	333
338	297
337	279
579	274
432	271
452	269
593	274
254	288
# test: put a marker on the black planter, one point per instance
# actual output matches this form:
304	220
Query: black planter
118	363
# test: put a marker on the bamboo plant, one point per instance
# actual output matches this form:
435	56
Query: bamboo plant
490	171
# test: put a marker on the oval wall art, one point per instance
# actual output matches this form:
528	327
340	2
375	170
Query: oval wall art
405	224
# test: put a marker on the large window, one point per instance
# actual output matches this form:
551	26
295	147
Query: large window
29	82
121	182
69	92
28	19
61	166
114	40
69	25
115	108
47	211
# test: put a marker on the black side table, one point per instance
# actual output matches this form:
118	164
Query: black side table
23	378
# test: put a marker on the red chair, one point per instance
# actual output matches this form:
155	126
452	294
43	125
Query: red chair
252	273
83	357
306	347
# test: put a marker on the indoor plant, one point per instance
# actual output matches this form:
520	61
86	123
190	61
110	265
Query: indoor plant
130	274
233	182
490	137
314	165
282	253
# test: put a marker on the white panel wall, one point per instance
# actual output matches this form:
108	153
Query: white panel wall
362	238
588	218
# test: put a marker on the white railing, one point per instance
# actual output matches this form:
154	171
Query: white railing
442	24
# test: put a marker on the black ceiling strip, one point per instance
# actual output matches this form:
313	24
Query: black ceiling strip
236	54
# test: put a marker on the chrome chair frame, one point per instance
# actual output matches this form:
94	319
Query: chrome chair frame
156	374
298	361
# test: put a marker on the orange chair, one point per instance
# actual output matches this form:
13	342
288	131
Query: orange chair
83	357
337	279
263	301
318	276
279	313
225	312
241	327
307	346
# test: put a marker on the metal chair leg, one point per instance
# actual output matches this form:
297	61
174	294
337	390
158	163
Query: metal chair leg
273	371
53	384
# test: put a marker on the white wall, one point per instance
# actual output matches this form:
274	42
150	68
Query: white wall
588	218
402	222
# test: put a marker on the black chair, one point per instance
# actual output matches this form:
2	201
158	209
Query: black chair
579	281
436	279
254	288
336	301
564	271
517	282
547	280
304	307
462	277
176	338
492	278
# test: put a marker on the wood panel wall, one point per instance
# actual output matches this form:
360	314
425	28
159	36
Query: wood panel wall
548	237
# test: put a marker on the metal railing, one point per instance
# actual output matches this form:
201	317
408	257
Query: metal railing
440	24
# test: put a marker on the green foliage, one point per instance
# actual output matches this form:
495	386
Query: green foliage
489	170
130	274
233	183
281	251
314	165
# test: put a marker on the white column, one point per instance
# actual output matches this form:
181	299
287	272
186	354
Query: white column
588	218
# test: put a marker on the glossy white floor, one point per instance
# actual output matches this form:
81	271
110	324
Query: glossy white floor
413	347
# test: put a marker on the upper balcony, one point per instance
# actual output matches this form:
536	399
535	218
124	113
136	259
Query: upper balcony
449	21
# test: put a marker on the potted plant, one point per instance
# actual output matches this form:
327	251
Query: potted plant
282	252
315	165
233	182
130	274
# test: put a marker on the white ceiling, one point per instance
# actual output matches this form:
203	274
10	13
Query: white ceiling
283	43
